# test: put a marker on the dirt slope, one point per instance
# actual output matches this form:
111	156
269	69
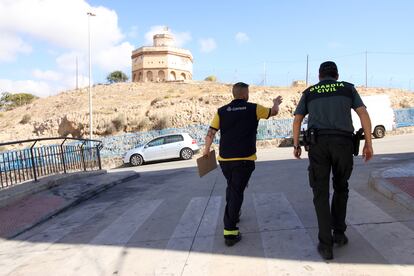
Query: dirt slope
131	107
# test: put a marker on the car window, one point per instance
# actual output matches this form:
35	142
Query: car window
173	139
156	142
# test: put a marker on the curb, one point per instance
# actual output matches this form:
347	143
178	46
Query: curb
22	190
87	194
381	185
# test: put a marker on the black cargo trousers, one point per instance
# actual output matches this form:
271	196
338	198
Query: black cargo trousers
237	174
331	152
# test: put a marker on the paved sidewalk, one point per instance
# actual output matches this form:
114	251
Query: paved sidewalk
25	206
396	183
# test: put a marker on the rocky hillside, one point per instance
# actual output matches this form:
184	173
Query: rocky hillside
131	107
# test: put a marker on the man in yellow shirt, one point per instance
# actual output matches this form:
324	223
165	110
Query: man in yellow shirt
237	122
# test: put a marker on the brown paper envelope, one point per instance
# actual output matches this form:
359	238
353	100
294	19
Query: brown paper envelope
206	164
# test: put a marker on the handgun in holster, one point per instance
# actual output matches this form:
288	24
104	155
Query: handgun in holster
309	137
356	138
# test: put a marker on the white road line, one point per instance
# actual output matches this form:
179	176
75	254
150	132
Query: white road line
103	255
177	250
199	260
287	245
20	252
122	229
394	241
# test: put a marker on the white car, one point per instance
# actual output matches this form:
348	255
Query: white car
180	145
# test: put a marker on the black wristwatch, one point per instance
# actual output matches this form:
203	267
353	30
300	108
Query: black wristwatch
296	147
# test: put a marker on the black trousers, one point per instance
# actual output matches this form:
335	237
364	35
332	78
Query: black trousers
237	174
334	153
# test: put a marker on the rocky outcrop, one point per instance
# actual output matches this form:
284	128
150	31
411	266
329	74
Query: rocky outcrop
70	128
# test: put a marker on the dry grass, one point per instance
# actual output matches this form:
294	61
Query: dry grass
25	119
149	106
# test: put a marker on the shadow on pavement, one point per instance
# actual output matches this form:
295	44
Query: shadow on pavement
172	201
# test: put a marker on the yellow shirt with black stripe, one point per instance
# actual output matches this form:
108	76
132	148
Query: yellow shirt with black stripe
261	113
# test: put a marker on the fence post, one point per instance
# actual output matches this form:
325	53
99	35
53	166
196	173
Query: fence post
98	152
33	161
83	157
1	174
63	156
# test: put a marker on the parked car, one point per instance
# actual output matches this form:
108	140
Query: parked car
170	146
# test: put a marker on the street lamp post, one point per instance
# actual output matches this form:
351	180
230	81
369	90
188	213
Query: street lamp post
90	74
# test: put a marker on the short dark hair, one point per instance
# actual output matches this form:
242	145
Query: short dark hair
328	69
241	85
238	89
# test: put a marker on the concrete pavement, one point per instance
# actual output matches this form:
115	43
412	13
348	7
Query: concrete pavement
29	204
169	222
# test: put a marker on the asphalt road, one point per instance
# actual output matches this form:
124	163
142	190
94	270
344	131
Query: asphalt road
169	222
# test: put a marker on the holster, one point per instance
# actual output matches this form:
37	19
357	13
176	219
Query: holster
356	138
309	137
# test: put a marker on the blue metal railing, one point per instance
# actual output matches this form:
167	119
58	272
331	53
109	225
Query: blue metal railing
33	162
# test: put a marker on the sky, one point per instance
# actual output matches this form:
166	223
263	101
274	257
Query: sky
258	42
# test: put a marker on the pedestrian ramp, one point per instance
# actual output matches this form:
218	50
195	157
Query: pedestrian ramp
112	238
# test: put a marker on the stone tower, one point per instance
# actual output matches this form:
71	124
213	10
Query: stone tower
162	61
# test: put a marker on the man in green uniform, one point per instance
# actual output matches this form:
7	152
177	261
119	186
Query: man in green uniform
329	105
237	122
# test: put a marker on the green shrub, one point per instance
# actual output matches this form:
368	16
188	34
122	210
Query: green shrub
211	78
117	76
9	101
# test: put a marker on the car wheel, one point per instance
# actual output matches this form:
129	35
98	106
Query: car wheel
186	153
379	132
136	160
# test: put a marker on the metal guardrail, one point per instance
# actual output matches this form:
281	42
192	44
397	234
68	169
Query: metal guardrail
30	163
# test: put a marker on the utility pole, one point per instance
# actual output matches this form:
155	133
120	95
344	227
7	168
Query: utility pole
264	73
366	69
90	74
307	70
77	75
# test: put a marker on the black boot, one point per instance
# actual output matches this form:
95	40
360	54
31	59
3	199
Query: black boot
231	240
340	239
325	251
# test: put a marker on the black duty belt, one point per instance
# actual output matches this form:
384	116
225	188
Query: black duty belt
334	132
